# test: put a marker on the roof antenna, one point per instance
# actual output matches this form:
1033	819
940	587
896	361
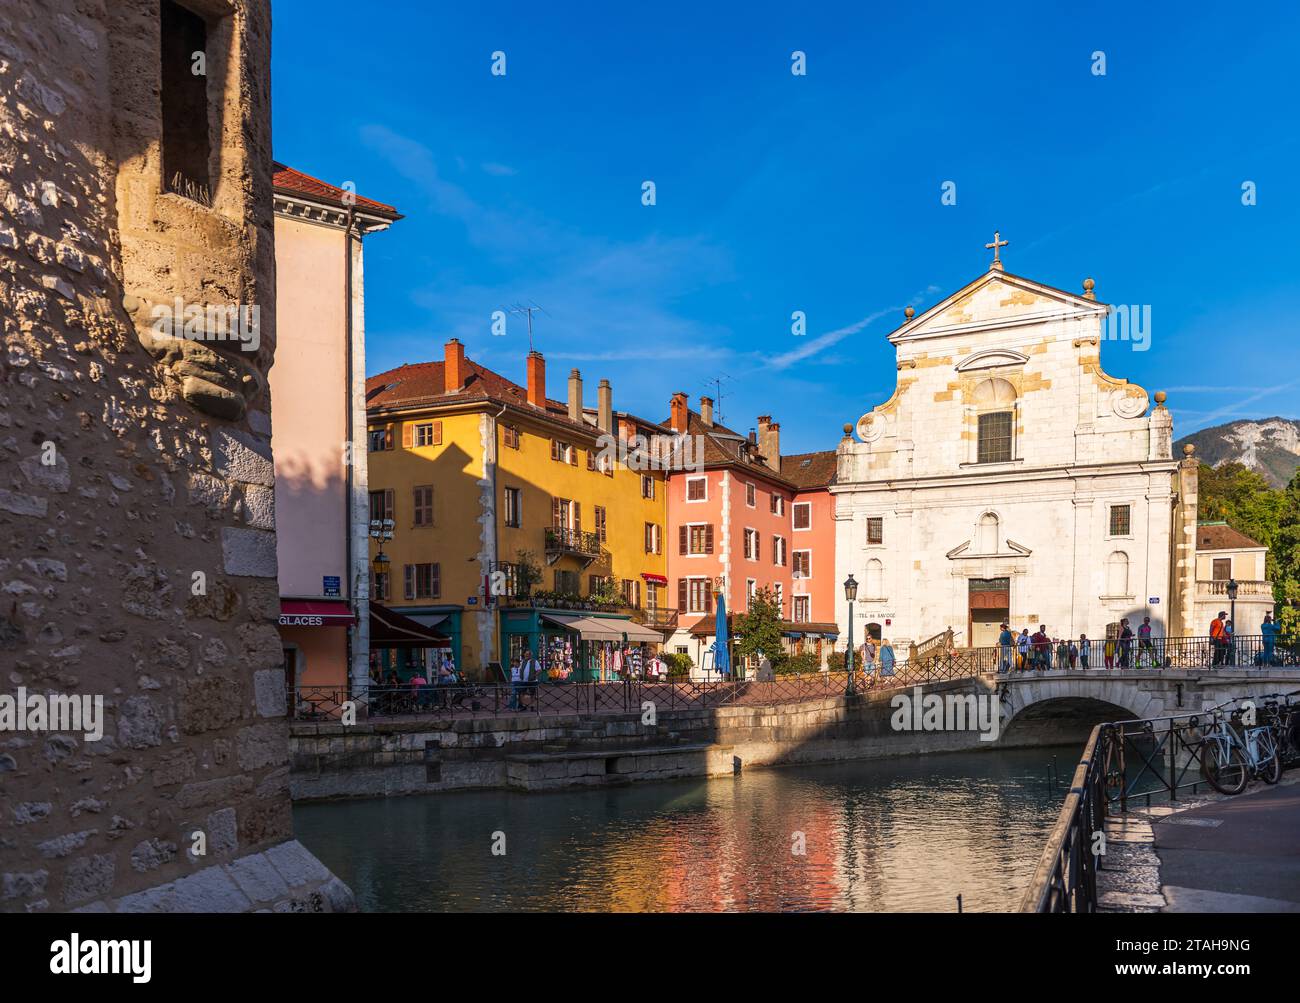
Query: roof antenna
528	311
715	384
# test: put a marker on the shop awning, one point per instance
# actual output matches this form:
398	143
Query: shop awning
657	579
595	628
315	613
429	619
390	629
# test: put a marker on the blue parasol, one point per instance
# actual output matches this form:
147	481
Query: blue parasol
721	656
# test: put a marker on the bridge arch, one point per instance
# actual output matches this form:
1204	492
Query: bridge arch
1064	710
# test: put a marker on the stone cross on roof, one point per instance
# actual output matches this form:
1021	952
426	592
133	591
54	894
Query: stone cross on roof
997	262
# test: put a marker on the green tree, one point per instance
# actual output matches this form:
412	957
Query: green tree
759	627
1242	498
1284	557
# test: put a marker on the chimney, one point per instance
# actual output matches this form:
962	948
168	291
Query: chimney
706	411
769	441
679	412
537	380
575	395
605	407
454	370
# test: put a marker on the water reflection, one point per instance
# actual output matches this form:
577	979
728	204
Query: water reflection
897	835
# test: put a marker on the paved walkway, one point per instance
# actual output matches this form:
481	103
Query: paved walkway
1209	853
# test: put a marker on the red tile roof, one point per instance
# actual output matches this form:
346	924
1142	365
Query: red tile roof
1221	536
725	446
294	182
810	470
421	384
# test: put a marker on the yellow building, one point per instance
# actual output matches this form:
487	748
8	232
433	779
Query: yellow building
518	522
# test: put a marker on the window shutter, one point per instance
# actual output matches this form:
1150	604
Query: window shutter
681	539
388	437
555	514
408	434
708	597
437	433
410	581
577	517
435	581
708	538
555	449
390	508
681	595
636	591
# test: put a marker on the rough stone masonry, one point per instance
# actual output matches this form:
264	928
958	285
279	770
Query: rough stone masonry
131	565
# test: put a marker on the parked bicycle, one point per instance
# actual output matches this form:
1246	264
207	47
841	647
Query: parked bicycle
1233	753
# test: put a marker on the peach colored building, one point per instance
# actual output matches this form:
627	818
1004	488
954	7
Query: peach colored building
730	524
812	536
321	510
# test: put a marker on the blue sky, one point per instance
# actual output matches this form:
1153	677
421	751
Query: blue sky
818	193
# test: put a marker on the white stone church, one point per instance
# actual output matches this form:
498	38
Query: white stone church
1009	477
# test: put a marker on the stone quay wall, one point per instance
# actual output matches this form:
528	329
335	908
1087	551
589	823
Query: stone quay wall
137	544
528	752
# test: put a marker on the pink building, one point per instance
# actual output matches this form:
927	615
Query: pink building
320	509
731	527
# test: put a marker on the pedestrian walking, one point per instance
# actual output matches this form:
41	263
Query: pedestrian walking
886	658
1004	649
1125	644
1022	649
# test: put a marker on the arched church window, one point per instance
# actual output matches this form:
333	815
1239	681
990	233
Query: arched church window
875	579
986	537
1117	574
995	400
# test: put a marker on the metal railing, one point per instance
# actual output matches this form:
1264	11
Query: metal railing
622	696
562	539
1066	877
1125	761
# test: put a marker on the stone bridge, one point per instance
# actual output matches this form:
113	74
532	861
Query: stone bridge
1063	706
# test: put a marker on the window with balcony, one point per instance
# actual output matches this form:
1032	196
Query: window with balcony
802	610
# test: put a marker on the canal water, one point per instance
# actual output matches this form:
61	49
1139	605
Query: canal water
904	835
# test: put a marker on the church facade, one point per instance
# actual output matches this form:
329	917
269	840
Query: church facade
1010	478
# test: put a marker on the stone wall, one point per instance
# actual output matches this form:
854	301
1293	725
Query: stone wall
137	558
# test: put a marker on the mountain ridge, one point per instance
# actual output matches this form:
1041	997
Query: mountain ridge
1269	446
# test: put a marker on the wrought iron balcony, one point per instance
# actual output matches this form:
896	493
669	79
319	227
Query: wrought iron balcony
663	619
562	541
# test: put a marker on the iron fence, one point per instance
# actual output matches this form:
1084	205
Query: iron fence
1066	877
623	696
1125	761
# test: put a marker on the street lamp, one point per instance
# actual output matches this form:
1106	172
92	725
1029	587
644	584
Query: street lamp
381	530
850	594
1232	618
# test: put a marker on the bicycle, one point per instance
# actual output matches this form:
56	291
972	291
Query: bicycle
1229	761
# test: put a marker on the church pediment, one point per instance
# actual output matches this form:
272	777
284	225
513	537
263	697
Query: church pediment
992	358
969	550
996	299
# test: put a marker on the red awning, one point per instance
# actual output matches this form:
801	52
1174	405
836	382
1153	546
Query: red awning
389	629
657	579
315	613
